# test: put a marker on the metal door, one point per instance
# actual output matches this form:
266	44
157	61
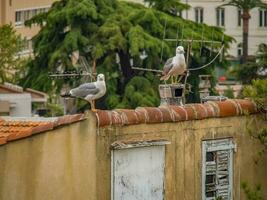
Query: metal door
138	173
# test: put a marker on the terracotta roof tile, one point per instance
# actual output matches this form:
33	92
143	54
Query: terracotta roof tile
175	113
14	129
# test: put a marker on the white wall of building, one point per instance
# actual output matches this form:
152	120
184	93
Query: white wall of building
257	35
20	104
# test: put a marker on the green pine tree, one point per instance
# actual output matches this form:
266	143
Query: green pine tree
10	45
113	33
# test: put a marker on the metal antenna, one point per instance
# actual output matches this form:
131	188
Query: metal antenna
182	37
187	71
75	73
221	57
201	46
177	35
212	38
164	33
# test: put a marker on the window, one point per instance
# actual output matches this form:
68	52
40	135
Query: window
217	169
239	49
22	15
239	17
220	16
18	18
263	17
199	15
26	46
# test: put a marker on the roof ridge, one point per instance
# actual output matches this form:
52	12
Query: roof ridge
171	113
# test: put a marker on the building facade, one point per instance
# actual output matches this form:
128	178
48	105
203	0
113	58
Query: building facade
16	12
196	151
229	18
18	102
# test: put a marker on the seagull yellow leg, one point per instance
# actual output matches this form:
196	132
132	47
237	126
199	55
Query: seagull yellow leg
172	79
180	78
175	79
93	109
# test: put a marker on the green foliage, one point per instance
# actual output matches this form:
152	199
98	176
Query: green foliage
10	45
229	93
262	53
258	92
246	4
250	71
54	110
168	6
255	69
113	33
252	193
139	92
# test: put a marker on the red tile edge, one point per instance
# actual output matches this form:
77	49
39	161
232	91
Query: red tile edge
149	115
20	134
35	127
42	128
68	119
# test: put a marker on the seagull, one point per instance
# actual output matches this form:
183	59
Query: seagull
174	66
89	91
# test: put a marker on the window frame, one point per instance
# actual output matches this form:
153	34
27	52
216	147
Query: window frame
28	13
199	14
262	18
239	49
220	16
220	145
239	17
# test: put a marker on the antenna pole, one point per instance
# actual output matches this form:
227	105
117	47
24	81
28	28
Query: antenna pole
164	33
177	35
187	71
201	40
94	69
212	38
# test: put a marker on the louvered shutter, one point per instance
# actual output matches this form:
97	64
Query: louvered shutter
217	169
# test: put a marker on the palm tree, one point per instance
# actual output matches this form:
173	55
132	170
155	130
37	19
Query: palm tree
246	6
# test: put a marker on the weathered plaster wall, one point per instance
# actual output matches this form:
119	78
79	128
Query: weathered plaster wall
183	155
54	165
73	162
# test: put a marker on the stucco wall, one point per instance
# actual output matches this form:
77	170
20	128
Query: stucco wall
183	155
53	165
73	162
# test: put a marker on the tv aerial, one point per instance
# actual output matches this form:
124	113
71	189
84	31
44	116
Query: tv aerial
175	93
82	69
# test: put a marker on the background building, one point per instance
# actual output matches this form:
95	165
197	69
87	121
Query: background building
229	18
16	12
18	102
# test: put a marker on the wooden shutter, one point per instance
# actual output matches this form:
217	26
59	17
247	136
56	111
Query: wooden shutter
217	169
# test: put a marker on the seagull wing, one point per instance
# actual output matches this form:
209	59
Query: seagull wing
168	66
85	89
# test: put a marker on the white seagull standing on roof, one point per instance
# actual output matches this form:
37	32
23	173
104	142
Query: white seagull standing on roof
174	66
89	91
